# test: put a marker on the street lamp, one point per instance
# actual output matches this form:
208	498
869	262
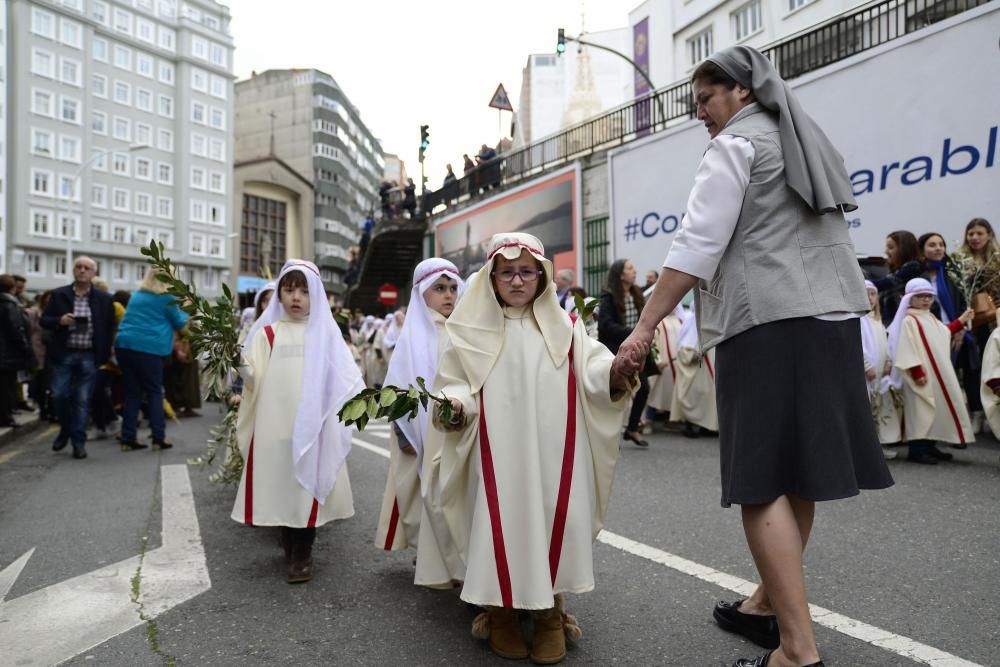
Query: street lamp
68	199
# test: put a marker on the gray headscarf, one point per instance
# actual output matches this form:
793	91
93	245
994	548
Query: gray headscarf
813	167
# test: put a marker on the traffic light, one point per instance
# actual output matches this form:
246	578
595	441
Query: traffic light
424	140
561	42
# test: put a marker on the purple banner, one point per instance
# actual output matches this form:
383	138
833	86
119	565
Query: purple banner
640	54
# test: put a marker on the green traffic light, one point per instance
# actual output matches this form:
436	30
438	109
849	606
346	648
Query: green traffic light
560	48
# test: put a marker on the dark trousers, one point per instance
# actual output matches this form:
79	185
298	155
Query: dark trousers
102	410
8	395
304	536
38	391
638	404
72	386
143	376
919	447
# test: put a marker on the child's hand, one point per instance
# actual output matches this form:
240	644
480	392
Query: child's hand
408	449
870	374
967	316
887	370
921	381
457	422
235	399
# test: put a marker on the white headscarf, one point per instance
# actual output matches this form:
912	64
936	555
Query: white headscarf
688	336
392	330
476	328
416	352
914	287
869	344
366	326
320	442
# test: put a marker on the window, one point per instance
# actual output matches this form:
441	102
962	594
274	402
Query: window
99	49
167	39
67	188
118	269
217	182
144	203
98	231
70	72
43	23
144	65
166	106
69	148
199	48
165	209
211	279
141	236
165	237
99	122
69	227
167	8
218	118
218	55
747	20
215	247
41	183
119	164
122	129
144	99
76	5
165	173
43	63
198	113
100	159
261	217
139	268
198	178
99	11
217	87
216	214
166	72
70	33
99	197
699	47
123	57
59	265
199	144
197	244
41	142
34	264
144	168
199	80
795	4
41	223
42	102
119	199
217	150
198	211
120	233
123	93
99	85
123	21
143	135
165	140
145	30
69	110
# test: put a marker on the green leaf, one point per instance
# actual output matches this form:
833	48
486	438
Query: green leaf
372	408
387	397
578	302
420	383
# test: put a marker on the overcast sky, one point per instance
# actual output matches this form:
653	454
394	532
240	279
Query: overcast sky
404	63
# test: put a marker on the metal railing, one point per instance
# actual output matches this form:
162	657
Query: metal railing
839	38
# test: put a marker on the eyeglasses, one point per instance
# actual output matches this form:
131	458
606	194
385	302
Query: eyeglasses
526	275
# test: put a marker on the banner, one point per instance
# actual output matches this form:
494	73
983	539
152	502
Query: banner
640	54
917	126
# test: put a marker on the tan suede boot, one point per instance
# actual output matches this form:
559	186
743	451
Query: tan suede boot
549	646
300	564
505	633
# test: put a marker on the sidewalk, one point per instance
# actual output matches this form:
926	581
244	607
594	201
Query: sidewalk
27	422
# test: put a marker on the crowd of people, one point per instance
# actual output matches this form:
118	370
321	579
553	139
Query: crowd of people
90	358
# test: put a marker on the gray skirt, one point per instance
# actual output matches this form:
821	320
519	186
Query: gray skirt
794	414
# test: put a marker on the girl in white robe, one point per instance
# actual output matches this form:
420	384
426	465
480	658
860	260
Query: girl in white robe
693	399
527	461
436	288
661	387
920	345
989	389
376	361
297	373
878	366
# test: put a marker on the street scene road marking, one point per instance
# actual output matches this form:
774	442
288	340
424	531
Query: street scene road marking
889	641
9	455
77	614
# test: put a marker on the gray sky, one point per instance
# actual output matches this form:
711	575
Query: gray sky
404	63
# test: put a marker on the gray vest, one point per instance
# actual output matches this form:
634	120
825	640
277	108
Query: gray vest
784	260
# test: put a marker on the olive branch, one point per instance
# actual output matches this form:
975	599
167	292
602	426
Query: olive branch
393	403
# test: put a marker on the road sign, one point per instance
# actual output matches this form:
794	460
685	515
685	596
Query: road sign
500	99
388	294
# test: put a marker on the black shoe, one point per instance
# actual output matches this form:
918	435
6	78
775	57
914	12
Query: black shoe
939	455
926	458
761	630
79	452
637	441
159	443
762	660
60	443
129	445
691	430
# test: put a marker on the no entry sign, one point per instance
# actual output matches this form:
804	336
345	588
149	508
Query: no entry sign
388	294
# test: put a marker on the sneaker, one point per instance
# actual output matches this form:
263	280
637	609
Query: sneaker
100	434
977	422
60	443
129	445
889	453
79	452
159	443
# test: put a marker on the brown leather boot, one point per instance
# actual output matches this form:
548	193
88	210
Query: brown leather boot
300	564
549	646
505	634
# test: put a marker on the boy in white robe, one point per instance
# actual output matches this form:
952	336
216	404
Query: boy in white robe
661	387
693	399
528	459
878	367
989	389
920	345
297	373
436	289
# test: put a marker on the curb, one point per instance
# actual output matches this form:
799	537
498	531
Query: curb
9	435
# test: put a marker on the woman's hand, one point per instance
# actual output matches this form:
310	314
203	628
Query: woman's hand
966	316
631	355
870	375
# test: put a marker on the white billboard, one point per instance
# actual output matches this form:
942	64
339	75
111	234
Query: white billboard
915	119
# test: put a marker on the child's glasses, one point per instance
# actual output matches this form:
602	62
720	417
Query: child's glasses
526	275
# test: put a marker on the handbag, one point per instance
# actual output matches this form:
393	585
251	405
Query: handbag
985	309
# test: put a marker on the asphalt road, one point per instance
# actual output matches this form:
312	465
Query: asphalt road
918	561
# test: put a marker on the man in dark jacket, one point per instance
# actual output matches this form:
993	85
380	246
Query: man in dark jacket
15	349
82	320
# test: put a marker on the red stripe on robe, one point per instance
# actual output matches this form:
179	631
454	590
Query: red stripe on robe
566	476
248	487
944	389
493	505
393	520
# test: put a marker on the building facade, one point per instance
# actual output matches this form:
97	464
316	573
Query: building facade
3	142
124	110
303	119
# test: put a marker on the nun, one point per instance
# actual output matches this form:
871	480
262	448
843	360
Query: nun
777	288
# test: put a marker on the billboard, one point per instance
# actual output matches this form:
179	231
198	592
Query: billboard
548	208
922	156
